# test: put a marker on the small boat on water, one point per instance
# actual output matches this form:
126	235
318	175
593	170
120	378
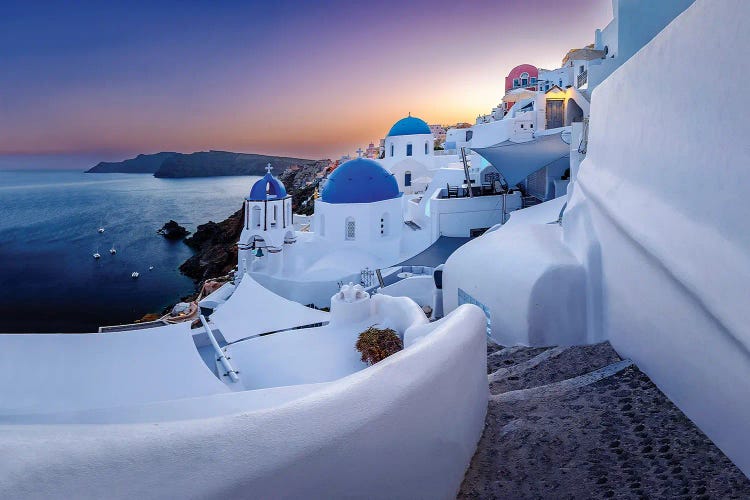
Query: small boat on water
150	268
135	274
101	230
112	250
97	255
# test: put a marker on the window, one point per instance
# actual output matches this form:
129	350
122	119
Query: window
408	150
533	80
580	69
351	228
407	178
426	148
515	82
391	149
469	135
524	79
275	215
256	216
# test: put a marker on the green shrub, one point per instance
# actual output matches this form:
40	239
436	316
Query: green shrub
376	344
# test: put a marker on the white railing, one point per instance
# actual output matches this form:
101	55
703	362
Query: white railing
231	373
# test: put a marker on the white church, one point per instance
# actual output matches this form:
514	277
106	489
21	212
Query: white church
358	223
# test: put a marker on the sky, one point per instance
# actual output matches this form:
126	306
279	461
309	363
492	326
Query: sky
310	79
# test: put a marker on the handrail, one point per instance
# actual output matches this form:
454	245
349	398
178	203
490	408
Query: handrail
466	171
380	278
222	358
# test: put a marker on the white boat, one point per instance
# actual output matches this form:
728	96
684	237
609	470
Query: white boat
101	230
112	250
150	268
135	274
97	255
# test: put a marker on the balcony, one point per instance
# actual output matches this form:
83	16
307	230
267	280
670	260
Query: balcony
582	79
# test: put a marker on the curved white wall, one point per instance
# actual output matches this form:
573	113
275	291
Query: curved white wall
664	193
406	427
73	372
534	289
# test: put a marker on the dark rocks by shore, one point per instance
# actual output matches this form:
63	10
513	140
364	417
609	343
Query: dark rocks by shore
215	243
215	246
173	231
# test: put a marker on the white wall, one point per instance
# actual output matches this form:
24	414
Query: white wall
418	288
405	428
531	284
562	77
73	372
635	23
367	217
489	134
456	217
672	274
419	163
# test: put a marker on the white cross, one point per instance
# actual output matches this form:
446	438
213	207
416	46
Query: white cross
269	168
359	153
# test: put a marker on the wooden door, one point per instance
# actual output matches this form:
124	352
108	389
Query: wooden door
554	113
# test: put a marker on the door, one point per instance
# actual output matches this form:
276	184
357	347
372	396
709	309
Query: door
554	113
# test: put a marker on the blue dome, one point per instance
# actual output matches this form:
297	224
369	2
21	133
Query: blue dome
360	181
409	126
267	188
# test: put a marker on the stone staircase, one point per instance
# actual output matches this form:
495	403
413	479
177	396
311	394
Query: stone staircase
580	422
529	201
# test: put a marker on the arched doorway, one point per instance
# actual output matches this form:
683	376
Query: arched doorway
573	112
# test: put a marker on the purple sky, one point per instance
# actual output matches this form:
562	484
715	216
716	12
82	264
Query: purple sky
312	79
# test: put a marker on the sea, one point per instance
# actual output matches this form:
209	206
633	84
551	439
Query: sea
49	223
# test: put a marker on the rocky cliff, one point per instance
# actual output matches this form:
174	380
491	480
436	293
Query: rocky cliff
206	164
215	244
222	163
141	164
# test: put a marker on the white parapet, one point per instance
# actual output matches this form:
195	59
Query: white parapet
658	217
406	427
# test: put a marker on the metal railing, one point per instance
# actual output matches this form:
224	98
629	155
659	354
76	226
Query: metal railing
230	372
582	78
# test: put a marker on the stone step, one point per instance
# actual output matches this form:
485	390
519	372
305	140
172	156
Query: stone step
553	365
556	389
510	356
606	434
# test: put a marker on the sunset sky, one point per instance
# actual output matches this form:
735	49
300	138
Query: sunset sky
311	79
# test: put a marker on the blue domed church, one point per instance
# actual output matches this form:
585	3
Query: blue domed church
409	153
358	222
360	206
268	225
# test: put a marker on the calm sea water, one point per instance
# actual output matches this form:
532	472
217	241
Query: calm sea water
48	232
